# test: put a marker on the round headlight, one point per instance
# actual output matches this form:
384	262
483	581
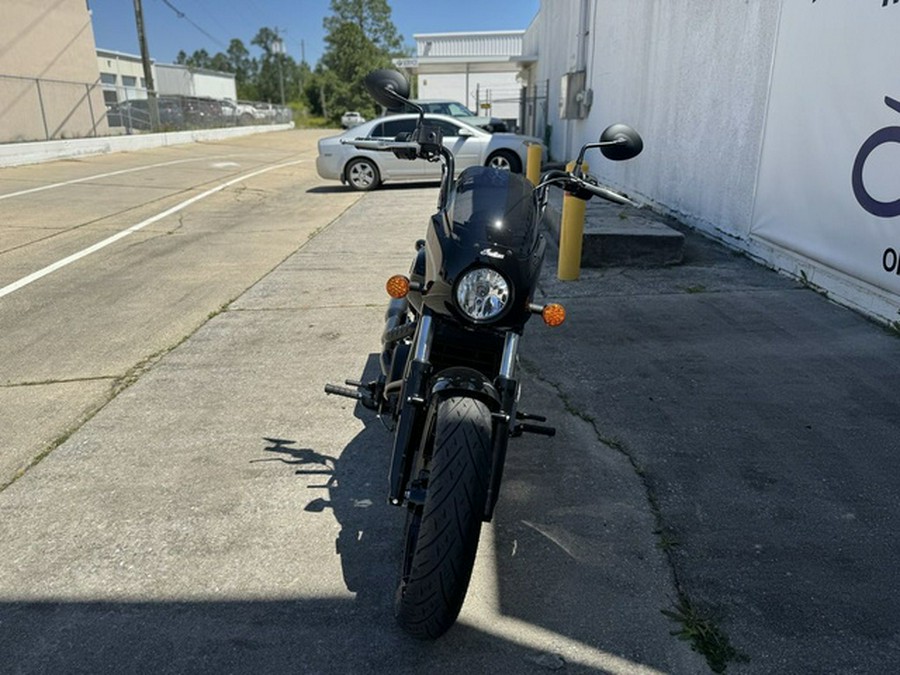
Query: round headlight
482	294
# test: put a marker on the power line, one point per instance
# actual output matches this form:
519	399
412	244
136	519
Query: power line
182	15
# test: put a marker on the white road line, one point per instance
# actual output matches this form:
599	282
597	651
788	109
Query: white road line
105	175
6	290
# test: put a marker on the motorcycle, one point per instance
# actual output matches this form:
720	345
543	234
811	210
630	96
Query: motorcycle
448	385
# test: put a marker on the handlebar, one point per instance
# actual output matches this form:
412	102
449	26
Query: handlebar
578	185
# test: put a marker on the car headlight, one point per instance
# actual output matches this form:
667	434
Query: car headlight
482	294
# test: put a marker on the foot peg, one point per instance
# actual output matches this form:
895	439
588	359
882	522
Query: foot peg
364	393
520	429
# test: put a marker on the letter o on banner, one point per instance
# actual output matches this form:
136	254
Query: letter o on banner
889	261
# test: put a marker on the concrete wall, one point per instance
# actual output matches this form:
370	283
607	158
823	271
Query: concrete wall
48	71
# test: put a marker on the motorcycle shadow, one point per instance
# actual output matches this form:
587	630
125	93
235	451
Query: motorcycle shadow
355	485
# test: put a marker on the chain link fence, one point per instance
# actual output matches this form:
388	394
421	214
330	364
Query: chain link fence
36	109
33	109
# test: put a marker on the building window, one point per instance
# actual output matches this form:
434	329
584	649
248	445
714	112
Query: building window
129	80
108	78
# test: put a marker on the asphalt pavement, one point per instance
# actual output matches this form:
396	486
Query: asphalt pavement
725	468
764	423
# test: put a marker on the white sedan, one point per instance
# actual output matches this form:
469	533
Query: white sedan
367	169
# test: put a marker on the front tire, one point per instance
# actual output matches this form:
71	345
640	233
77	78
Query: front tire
442	534
505	160
362	175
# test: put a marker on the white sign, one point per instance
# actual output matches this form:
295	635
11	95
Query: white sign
829	178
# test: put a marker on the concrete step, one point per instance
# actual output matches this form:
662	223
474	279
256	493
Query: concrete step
616	236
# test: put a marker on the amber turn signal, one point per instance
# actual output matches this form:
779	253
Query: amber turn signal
553	314
397	286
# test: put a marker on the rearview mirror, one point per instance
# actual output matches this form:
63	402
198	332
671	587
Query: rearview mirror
387	87
620	142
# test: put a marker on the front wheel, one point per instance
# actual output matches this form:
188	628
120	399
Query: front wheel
442	534
505	160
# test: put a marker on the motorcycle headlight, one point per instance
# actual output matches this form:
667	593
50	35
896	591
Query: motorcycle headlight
482	294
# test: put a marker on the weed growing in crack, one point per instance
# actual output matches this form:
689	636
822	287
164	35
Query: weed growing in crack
701	629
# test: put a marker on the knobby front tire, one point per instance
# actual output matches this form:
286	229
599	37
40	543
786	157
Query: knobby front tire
442	535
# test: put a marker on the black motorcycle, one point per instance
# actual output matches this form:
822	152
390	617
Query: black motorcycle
448	384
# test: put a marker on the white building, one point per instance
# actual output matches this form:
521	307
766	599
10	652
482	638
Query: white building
121	75
122	78
172	79
772	125
477	69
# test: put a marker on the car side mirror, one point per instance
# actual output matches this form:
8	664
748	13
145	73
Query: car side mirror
388	87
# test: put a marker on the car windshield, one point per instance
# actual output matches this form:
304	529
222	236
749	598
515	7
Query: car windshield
459	110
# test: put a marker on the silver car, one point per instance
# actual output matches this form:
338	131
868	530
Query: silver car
367	169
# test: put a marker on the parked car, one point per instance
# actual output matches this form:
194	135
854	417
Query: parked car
203	112
457	110
248	113
351	118
268	112
367	169
135	114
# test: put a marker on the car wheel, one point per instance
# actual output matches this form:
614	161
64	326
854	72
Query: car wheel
362	174
505	160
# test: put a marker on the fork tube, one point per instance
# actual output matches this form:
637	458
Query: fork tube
412	407
510	350
423	339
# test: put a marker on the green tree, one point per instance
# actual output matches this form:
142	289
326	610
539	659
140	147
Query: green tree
373	18
360	37
244	69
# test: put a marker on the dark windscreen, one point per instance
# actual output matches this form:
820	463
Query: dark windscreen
493	206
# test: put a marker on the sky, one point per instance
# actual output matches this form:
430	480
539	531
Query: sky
189	25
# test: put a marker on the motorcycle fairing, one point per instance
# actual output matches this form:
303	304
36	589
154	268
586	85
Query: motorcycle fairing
490	221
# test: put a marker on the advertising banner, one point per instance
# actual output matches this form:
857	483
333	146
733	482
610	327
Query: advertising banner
829	177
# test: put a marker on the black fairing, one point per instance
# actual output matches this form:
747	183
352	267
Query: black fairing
490	221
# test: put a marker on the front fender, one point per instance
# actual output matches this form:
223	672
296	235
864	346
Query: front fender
466	382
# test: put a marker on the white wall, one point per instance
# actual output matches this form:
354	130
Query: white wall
177	80
752	113
691	76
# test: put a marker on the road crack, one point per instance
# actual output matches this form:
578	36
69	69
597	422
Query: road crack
697	624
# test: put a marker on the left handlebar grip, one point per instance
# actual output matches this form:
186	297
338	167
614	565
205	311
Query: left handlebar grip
608	194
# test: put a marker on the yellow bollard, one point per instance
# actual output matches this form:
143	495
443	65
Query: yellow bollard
533	167
571	233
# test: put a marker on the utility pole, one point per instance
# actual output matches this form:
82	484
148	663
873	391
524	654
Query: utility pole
278	51
152	103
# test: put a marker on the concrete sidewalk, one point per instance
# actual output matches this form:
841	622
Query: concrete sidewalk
764	422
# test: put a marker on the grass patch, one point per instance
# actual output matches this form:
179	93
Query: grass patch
311	122
701	629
